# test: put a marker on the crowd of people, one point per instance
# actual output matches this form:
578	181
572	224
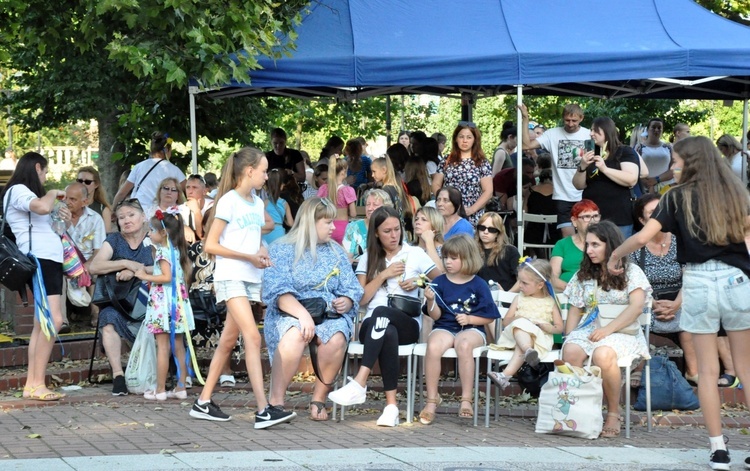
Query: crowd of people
635	222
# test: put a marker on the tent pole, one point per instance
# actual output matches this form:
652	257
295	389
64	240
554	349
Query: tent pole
193	134
467	102
519	174
388	123
744	141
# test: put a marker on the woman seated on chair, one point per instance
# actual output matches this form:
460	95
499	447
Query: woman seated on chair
389	267
593	285
307	264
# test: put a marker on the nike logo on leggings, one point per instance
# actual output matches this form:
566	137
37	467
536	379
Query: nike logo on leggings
378	330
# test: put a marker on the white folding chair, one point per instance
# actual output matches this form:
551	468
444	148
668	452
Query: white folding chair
541	219
357	348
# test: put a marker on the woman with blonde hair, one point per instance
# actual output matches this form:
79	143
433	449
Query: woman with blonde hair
169	194
340	194
89	176
499	255
731	149
428	233
385	177
716	281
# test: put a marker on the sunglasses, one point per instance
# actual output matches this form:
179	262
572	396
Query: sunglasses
490	229
133	202
85	182
171	190
197	177
467	124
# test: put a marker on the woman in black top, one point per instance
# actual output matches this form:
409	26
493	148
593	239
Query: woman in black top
606	177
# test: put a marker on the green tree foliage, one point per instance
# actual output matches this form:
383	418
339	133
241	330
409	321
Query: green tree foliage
735	10
126	63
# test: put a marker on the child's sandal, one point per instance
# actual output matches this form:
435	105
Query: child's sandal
426	417
466	412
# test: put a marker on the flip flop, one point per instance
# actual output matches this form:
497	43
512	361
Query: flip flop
321	408
227	381
48	396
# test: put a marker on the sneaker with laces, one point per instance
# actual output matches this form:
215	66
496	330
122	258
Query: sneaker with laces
119	388
272	415
208	411
389	417
349	395
719	460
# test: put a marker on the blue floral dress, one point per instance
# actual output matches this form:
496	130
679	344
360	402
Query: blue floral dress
160	299
305	279
581	295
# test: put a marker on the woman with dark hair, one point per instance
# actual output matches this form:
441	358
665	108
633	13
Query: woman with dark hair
450	205
388	267
143	181
404	138
291	193
358	171
282	156
591	287
657	156
430	155
399	156
26	209
508	142
334	146
417	180
98	202
467	170
303	262
606	178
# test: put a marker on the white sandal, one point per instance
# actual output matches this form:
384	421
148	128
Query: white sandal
227	381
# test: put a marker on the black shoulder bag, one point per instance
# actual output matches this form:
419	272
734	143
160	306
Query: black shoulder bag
16	268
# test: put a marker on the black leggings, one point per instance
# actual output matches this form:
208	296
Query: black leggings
390	328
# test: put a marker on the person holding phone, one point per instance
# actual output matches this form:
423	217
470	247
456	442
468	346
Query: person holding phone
716	289
606	178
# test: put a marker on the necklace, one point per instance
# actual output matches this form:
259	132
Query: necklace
661	245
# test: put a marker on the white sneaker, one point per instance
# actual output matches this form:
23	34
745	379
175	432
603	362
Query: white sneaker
349	395
389	417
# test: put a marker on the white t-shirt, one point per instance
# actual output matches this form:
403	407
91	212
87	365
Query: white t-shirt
147	189
89	233
185	211
566	150
242	234
736	163
657	159
417	262
44	242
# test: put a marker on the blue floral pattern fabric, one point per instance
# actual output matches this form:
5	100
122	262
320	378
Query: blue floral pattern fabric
306	279
465	177
160	300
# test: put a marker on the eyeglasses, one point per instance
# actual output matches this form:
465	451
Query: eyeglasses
589	217
171	190
490	229
133	202
197	177
467	124
85	182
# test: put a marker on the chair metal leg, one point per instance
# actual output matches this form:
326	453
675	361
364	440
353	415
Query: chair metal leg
627	402
409	392
487	395
648	394
476	389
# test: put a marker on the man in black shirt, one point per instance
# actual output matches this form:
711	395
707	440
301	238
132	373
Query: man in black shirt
283	157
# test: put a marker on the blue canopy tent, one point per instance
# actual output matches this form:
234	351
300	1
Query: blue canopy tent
350	49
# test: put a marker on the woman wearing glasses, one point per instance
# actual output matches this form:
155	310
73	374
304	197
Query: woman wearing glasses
89	176
567	254
307	263
124	253
606	178
467	169
169	195
142	182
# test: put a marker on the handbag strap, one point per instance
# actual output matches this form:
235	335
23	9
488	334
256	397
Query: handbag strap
5	216
113	299
146	175
313	347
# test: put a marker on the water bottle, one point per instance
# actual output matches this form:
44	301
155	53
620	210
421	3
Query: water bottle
495	291
57	222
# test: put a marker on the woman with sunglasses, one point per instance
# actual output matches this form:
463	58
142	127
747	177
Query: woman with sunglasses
567	254
124	253
467	170
143	180
169	195
499	255
89	176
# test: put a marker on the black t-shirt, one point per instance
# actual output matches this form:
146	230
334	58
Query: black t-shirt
505	272
612	198
691	250
289	160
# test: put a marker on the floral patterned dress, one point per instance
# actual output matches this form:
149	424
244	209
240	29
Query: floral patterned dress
465	177
160	299
305	279
581	295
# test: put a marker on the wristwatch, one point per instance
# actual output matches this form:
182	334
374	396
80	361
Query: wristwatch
581	170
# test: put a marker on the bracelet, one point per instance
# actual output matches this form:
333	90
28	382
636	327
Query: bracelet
658	180
581	170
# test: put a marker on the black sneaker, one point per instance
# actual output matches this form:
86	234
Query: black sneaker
747	463
272	415
719	460
208	411
119	388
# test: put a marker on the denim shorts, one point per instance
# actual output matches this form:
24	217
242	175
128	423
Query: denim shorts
481	333
712	297
226	290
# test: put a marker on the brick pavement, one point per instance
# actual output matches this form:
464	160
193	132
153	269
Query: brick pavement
91	422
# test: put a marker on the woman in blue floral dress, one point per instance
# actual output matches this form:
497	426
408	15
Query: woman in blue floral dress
307	264
466	169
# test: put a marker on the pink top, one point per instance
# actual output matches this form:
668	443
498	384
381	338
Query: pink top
344	195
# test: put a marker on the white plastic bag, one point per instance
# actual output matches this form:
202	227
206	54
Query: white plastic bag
78	295
140	375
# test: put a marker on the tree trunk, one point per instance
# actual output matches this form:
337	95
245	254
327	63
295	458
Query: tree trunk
109	146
